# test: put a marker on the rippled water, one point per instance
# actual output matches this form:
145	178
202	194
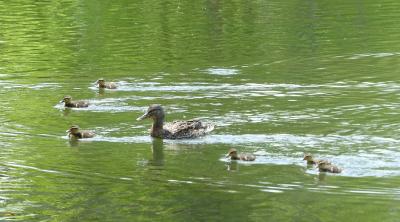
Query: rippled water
279	79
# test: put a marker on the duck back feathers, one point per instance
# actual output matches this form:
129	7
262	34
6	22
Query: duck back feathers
186	129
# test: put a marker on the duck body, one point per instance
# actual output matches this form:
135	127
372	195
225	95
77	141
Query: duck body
177	129
75	133
77	104
106	85
74	104
234	155
324	166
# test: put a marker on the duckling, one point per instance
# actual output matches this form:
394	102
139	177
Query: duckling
176	129
74	133
232	153
67	100
325	166
310	159
105	85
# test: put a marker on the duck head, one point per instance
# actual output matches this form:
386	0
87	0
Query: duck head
308	157
101	82
232	153
66	99
73	130
155	112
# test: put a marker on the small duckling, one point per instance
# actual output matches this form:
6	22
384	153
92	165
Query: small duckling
105	85
310	159
325	166
67	100
74	133
232	153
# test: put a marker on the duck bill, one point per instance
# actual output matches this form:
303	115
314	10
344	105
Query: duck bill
68	131
143	117
227	155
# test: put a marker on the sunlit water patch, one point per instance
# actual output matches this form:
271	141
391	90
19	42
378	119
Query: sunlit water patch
222	71
289	150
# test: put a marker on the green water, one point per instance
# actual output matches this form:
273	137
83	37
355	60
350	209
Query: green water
278	78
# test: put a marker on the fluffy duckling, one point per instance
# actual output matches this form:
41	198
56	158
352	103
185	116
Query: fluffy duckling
310	159
325	166
74	133
105	85
233	154
176	129
67	100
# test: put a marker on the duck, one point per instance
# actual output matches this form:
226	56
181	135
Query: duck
234	155
310	159
175	130
325	166
105	85
74	133
67	100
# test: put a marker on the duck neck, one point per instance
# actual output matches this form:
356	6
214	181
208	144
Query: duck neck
235	157
77	134
157	127
69	104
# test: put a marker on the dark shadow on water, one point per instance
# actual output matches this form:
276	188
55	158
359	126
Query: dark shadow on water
157	149
73	142
321	177
232	166
66	111
101	92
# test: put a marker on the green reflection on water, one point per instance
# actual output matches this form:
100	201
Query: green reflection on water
310	76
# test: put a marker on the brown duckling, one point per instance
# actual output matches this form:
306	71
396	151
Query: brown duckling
310	159
105	85
74	133
67	100
233	154
176	129
325	166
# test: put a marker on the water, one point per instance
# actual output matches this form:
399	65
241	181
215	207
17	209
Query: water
278	78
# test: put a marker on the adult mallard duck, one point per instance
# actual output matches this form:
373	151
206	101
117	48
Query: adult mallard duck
74	133
176	129
67	100
325	166
310	159
234	155
105	85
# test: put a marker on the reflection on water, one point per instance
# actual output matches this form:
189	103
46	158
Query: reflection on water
157	149
279	79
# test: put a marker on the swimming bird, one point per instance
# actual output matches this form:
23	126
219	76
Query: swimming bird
74	133
325	166
310	159
67	100
174	130
233	154
105	85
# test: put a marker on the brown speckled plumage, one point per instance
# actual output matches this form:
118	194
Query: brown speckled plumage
106	85
67	100
311	160
234	155
75	133
325	166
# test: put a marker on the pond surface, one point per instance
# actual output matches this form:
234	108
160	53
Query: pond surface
278	78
